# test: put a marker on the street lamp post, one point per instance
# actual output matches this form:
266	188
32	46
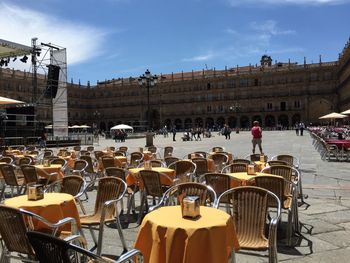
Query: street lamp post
148	80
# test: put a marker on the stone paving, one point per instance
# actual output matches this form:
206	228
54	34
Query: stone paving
325	218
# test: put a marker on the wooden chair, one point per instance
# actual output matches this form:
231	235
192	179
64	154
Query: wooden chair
77	148
73	185
130	193
175	194
135	159
276	162
107	161
217	149
54	250
281	188
31	175
170	159
10	180
90	168
246	161
110	191
250	218
7	159
291	160
235	168
25	160
13	230
168	151
152	188
202	166
90	148
217	181
60	161
185	171
256	157
220	160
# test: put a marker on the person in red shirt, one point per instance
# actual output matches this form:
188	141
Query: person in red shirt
257	135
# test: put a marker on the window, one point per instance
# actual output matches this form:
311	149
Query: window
220	108
269	106
208	86
297	104
208	108
283	105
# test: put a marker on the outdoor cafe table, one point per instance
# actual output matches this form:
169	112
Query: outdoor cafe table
244	177
119	161
133	176
53	168
53	207
341	144
166	237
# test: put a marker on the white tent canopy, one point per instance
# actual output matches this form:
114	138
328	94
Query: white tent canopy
346	112
333	115
122	127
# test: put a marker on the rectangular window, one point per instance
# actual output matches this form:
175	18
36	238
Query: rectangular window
208	108
269	106
297	104
283	105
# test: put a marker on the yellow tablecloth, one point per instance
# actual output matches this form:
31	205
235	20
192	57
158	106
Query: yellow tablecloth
54	207
165	237
53	168
259	165
133	176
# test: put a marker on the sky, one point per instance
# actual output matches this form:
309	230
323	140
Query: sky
107	39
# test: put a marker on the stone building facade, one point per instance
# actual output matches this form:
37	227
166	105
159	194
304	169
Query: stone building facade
276	94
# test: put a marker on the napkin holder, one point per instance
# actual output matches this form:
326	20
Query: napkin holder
46	163
251	169
190	207
35	192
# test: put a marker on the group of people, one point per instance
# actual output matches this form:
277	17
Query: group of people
299	128
120	135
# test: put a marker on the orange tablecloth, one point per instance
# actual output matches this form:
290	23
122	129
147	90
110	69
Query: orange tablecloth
54	207
165	237
147	155
53	168
244	177
133	175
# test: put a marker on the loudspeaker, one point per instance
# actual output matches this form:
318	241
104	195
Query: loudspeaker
52	81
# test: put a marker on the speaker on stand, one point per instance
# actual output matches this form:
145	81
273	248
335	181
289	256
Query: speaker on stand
52	81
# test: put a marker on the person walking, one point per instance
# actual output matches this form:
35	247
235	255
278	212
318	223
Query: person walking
301	127
174	133
256	132
297	129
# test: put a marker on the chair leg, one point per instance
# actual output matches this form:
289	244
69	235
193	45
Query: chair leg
143	200
121	235
93	238
81	206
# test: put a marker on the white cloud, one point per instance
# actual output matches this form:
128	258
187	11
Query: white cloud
199	58
81	41
286	2
270	27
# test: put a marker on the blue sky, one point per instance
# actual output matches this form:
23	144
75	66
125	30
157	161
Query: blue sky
108	39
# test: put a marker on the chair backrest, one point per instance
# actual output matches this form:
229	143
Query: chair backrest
55	250
13	231
60	161
72	184
256	157
220	160
119	153
184	170
274	184
116	172
80	166
77	148
219	182
277	162
176	194
241	161
201	164
98	155
90	148
48	153
170	159
25	160
109	188
6	159
31	148
217	149
8	172
291	160
157	163
285	171
152	183
152	149
107	161
29	173
123	149
193	155
249	216
235	168
168	151
135	159
88	160
84	152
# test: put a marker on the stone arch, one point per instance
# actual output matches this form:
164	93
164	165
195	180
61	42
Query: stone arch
296	118
178	124
270	121
188	123
283	120
220	122
232	122
257	118
209	122
245	123
198	122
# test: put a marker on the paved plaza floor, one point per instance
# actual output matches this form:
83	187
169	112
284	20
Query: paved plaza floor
325	218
